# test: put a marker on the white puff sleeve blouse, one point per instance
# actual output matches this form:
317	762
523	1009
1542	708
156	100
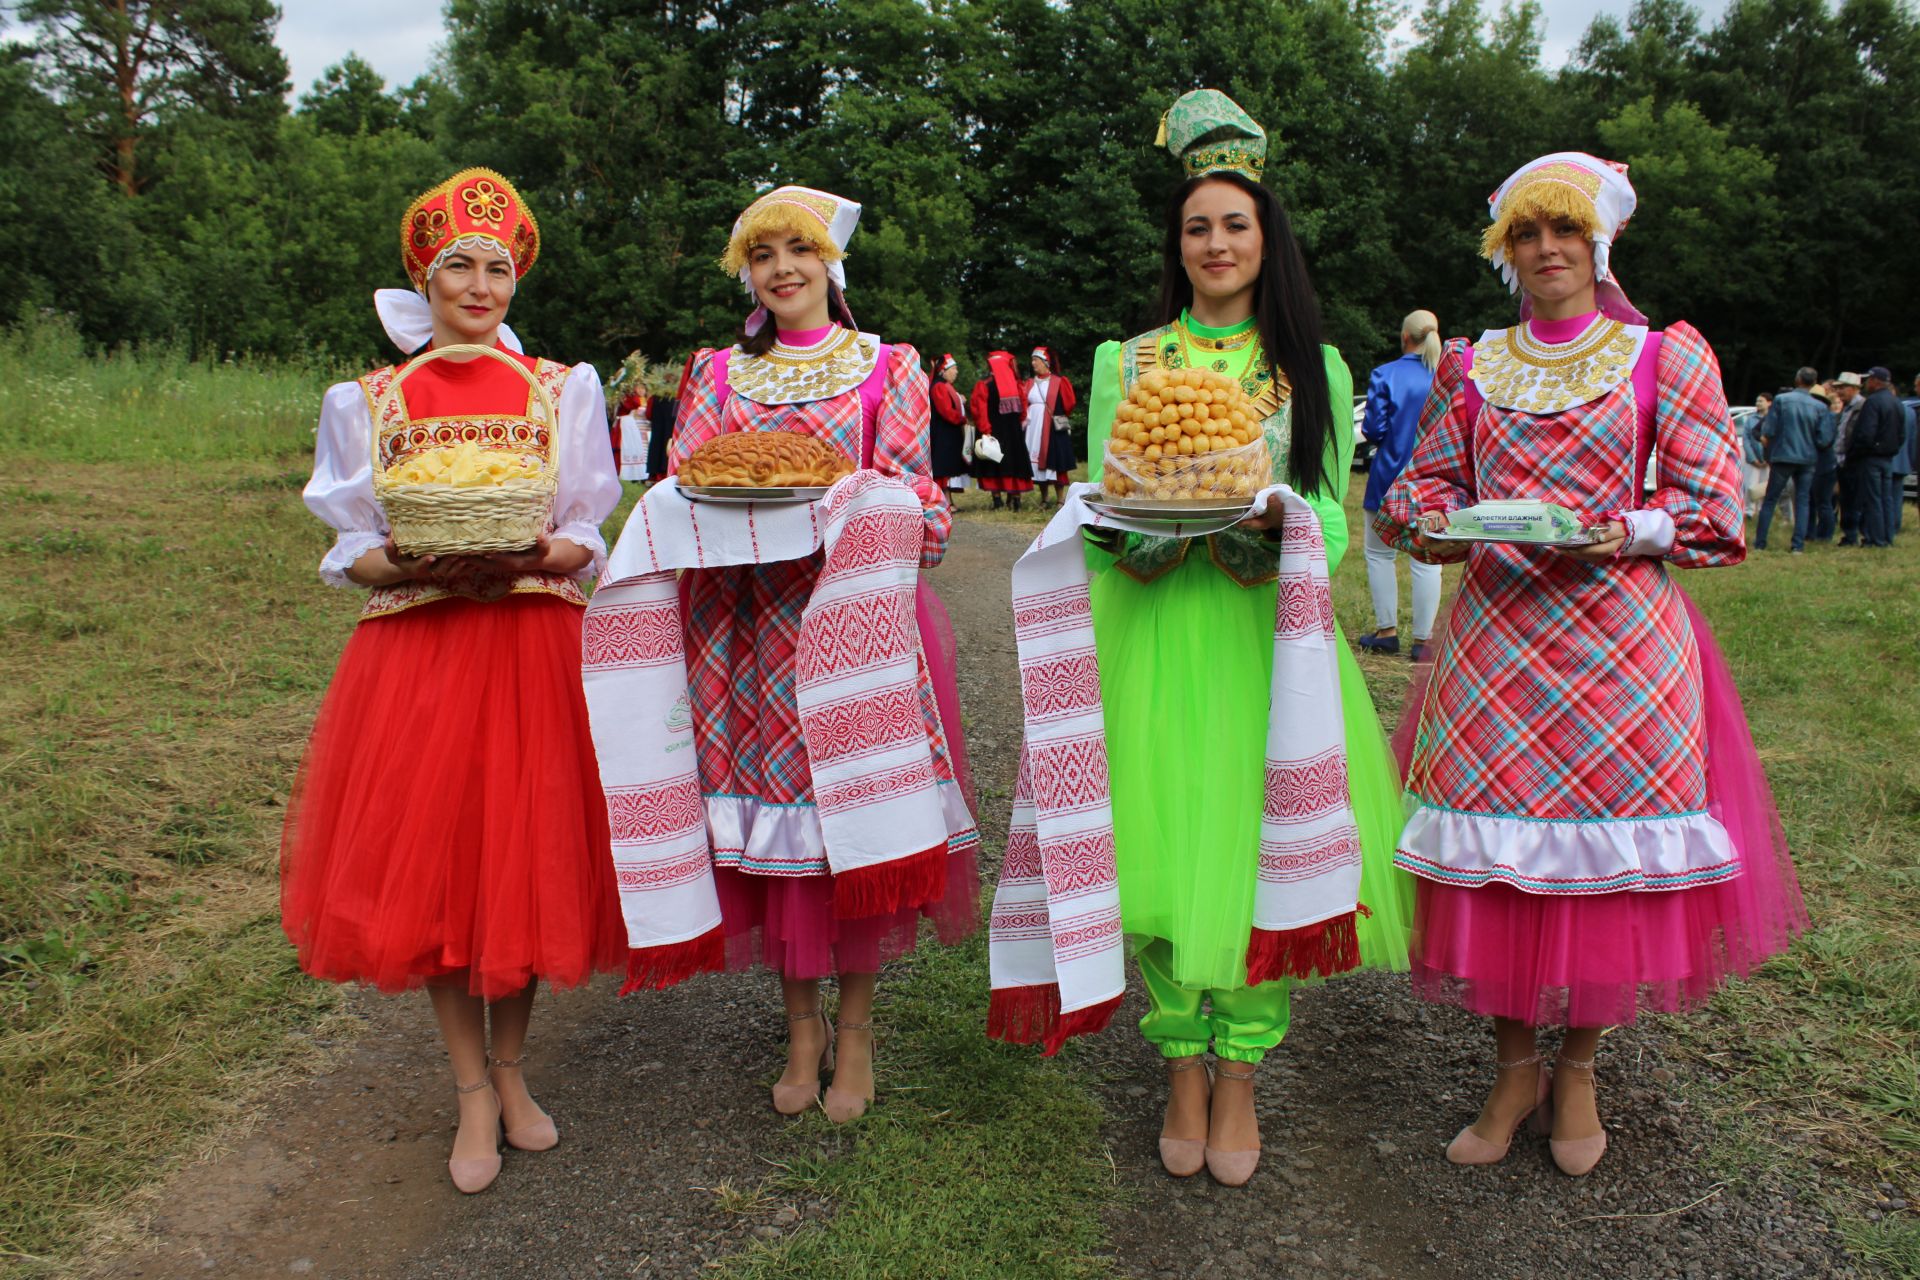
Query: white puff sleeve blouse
341	490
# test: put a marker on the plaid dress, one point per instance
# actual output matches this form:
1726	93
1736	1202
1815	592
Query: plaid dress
1561	747
743	623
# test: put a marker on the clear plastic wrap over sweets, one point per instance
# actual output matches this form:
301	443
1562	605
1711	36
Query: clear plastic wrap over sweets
1185	435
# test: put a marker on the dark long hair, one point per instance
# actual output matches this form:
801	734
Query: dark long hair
1288	315
758	344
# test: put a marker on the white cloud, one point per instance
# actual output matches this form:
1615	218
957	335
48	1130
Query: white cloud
396	36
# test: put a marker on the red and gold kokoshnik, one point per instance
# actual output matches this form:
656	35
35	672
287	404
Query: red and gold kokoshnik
472	204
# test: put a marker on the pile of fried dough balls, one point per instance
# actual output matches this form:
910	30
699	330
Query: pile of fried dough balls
1185	435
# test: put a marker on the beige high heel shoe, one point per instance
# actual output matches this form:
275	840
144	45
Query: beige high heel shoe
473	1176
541	1135
793	1099
1577	1156
1184	1157
1232	1168
842	1107
1469	1147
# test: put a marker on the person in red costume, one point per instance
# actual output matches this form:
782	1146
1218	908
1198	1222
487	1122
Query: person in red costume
995	408
1046	400
759	779
947	430
446	829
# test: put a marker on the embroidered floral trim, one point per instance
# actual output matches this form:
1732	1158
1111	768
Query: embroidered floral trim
797	375
385	601
1239	156
1160	348
1515	370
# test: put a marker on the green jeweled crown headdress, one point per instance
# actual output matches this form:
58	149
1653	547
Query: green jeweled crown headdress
1208	132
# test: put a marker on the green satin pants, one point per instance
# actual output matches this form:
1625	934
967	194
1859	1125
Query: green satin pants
1241	1024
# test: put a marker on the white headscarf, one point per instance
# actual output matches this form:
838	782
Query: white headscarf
1600	189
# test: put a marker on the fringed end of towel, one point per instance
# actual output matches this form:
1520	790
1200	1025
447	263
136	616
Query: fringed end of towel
886	887
1325	948
657	968
1031	1015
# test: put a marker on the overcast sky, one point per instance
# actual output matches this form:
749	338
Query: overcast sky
398	36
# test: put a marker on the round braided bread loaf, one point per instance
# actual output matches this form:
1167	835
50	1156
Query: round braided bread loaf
764	460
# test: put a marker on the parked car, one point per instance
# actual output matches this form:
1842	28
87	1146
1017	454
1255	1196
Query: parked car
1362	448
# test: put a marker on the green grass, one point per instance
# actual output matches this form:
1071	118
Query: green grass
161	650
58	401
980	1161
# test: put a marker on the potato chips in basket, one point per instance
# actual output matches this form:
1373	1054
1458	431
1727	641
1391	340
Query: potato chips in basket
1185	435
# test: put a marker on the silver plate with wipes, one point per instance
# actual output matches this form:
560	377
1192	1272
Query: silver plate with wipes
1519	522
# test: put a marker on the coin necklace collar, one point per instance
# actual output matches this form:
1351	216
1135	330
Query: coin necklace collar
792	374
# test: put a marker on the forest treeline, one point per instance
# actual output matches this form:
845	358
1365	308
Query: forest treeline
158	184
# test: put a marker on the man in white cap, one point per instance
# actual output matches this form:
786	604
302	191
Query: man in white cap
1847	388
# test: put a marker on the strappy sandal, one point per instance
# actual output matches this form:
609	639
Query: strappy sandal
843	1107
794	1099
1233	1168
541	1135
1184	1157
1469	1147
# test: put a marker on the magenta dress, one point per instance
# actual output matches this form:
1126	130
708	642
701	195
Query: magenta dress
1594	834
743	631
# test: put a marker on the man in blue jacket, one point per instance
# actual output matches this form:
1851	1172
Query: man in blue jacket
1905	463
1879	432
1793	433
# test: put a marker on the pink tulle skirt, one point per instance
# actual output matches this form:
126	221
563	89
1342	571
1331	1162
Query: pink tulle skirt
1601	960
787	923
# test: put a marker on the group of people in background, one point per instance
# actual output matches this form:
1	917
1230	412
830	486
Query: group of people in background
1845	448
1011	434
746	751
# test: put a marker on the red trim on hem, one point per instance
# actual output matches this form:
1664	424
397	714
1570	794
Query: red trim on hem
1031	1015
1326	948
658	968
895	885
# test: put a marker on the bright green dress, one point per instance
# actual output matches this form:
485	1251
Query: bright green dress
1185	636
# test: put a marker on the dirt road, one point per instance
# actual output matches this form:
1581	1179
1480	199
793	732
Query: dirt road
346	1176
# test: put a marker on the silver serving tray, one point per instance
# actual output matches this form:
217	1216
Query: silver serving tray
1201	511
1584	539
734	496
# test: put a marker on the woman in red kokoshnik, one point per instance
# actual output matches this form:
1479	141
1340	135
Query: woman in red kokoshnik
1593	832
446	829
772	785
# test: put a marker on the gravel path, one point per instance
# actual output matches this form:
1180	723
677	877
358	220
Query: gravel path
347	1179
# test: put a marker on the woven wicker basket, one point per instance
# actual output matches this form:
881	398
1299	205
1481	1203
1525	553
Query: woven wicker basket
438	519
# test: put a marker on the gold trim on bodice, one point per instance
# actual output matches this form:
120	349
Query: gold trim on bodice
1516	370
1172	346
402	435
832	366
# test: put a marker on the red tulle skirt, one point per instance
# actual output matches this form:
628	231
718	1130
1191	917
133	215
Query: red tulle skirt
1602	959
448	824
